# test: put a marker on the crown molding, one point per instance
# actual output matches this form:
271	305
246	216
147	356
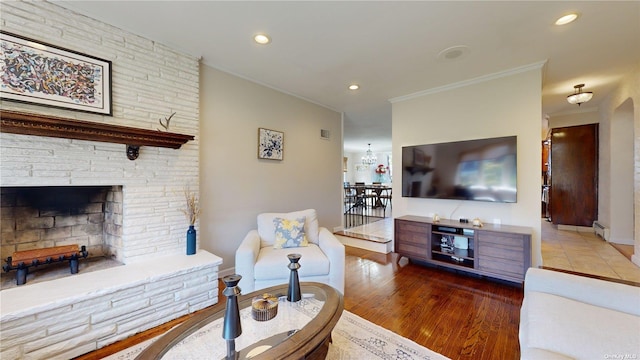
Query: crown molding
535	66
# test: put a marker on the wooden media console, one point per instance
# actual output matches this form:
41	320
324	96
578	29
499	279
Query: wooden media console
497	251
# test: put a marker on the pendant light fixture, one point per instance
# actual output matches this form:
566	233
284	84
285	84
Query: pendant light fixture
369	158
579	97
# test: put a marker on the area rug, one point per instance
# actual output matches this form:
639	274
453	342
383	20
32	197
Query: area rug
354	338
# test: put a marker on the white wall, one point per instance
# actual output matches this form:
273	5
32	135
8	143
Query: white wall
629	88
236	186
501	105
621	176
356	172
578	117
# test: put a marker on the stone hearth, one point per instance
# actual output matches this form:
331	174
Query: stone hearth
65	318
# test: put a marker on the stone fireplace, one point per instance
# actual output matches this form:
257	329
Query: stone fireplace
57	197
61	148
66	181
63	193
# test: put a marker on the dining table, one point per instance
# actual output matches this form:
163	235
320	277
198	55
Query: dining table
373	191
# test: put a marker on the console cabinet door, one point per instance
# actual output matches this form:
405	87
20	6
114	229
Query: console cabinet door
504	255
412	239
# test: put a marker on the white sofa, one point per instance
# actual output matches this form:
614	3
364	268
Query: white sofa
261	265
565	316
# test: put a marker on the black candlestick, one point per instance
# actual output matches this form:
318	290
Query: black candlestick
231	328
293	293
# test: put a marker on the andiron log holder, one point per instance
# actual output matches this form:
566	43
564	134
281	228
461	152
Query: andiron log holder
22	260
231	328
293	293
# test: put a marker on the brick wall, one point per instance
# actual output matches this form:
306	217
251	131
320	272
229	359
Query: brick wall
150	81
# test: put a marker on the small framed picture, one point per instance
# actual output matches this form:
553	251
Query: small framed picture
270	144
38	73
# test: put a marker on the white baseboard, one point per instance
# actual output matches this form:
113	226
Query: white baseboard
635	259
575	228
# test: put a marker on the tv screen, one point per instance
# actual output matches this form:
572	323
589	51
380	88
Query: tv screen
481	170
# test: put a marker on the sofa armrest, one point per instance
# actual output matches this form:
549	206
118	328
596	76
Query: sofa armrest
334	250
596	292
246	257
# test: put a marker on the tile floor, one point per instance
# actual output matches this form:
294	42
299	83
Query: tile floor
561	249
586	253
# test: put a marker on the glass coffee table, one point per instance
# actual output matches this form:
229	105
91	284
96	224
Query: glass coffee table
299	330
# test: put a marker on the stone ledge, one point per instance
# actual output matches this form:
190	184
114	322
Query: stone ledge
36	298
64	318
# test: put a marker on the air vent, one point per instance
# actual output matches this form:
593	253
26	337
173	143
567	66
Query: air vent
325	134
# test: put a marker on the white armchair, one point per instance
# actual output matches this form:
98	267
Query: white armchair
261	265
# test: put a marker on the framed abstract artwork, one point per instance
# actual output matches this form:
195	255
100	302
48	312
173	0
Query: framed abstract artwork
38	73
270	144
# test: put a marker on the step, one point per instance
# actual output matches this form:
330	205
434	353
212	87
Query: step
367	242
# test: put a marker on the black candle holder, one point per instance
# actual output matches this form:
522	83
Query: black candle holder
293	293
231	328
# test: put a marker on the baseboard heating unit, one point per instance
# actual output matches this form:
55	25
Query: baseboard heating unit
601	230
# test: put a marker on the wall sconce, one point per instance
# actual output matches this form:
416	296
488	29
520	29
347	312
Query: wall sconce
579	97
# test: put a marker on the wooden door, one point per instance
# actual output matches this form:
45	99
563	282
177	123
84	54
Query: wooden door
574	175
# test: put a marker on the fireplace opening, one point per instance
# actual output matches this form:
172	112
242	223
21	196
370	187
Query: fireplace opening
46	216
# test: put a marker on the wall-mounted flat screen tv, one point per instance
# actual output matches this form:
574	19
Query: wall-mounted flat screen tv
481	170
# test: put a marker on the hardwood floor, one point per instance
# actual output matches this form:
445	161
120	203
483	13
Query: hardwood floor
457	315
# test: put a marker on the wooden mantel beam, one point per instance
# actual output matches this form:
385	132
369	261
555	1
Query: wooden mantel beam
44	125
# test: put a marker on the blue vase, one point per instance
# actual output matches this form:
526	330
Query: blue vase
191	240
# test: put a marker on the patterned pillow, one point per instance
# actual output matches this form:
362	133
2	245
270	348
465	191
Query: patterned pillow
289	233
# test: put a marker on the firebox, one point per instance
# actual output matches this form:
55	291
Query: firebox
38	217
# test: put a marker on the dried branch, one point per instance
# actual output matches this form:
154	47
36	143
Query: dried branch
193	211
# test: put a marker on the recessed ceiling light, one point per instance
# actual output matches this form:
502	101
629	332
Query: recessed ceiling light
262	39
453	53
354	87
564	20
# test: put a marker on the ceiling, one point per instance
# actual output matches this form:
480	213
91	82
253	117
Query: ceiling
390	48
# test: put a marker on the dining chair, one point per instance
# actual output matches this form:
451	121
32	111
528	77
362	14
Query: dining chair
364	194
385	198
